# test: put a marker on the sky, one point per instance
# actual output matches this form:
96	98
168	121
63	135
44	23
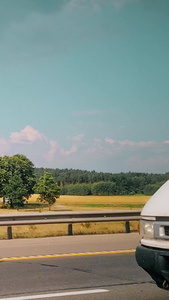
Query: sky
84	84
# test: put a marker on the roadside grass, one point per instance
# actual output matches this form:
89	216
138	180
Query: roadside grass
39	231
115	205
75	203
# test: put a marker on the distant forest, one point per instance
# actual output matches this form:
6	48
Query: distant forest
80	182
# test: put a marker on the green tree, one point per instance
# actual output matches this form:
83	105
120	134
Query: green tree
15	190
125	183
16	179
103	188
48	189
150	189
82	189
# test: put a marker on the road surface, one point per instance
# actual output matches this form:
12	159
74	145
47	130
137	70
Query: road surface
86	276
68	244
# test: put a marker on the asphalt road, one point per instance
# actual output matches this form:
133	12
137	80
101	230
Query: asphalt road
68	244
111	276
91	276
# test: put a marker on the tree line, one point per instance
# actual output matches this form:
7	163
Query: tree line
82	182
19	179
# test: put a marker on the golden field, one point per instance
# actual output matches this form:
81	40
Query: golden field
75	203
68	199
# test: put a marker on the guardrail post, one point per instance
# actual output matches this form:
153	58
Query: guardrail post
127	227
9	233
70	229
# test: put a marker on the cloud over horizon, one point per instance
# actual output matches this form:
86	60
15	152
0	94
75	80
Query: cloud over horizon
132	156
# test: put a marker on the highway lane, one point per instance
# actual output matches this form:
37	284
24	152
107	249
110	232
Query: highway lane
68	244
110	276
74	276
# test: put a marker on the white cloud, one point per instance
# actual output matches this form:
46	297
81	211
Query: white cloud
100	154
53	149
56	152
72	150
28	134
33	143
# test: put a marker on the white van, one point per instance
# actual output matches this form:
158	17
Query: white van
153	253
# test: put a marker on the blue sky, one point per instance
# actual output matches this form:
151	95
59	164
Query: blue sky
84	84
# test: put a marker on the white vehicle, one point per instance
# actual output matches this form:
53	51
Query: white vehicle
153	253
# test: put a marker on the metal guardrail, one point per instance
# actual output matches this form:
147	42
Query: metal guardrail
70	218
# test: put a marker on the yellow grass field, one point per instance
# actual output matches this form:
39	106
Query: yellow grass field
66	199
76	203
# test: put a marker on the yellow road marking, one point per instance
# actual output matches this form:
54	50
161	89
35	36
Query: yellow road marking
67	255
